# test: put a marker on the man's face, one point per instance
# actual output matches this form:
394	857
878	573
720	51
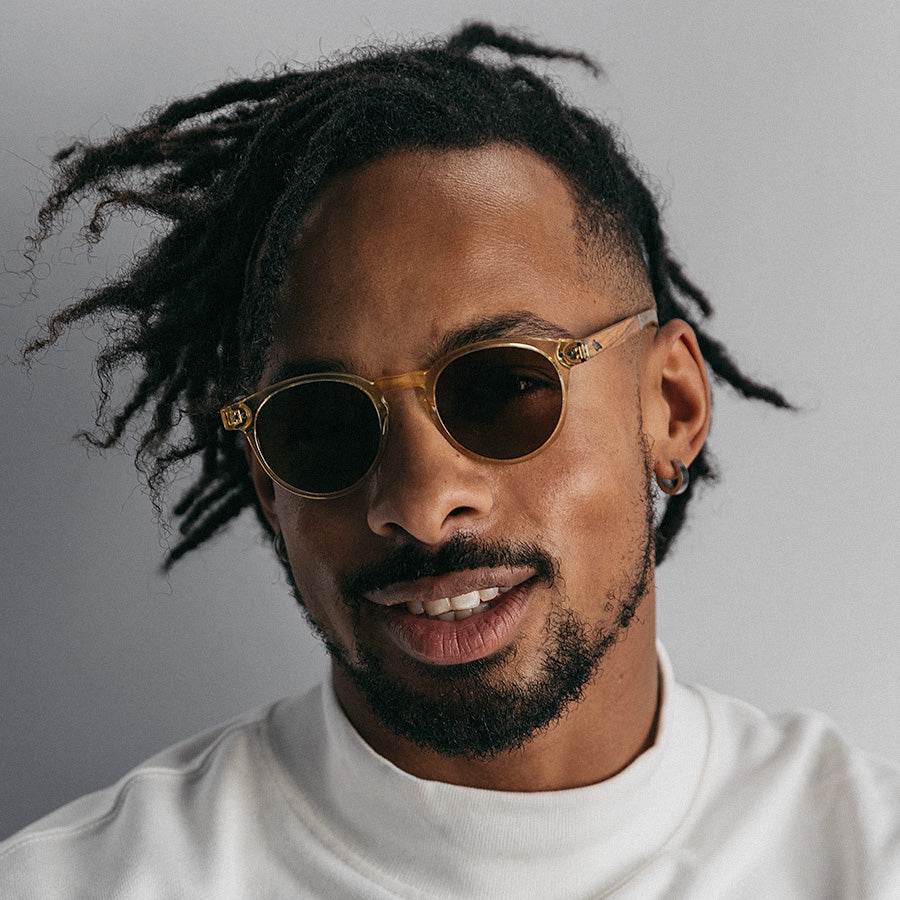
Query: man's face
395	259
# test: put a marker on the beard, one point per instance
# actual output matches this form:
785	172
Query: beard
473	709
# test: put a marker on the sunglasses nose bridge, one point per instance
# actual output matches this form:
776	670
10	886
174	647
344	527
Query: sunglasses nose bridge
418	381
415	380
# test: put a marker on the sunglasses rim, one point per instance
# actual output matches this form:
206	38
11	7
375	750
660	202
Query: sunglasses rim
424	381
562	353
380	410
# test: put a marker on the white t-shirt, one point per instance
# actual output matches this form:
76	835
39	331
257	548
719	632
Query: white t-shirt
290	802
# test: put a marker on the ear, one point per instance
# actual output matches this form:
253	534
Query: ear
675	397
264	486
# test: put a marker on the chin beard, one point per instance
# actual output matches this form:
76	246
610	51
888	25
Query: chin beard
470	710
473	710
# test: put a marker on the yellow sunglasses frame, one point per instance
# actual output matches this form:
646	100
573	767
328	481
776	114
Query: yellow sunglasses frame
562	353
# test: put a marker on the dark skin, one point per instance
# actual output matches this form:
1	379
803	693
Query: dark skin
393	258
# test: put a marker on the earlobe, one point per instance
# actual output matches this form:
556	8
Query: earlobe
675	398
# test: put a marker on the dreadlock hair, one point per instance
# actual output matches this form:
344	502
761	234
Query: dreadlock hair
233	170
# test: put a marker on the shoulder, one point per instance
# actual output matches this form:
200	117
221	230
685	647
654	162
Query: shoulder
147	832
803	747
791	789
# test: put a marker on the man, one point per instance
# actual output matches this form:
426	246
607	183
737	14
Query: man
422	318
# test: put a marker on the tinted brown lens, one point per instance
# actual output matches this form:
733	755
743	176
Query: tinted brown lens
319	436
500	402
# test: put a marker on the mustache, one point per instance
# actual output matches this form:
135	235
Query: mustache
461	552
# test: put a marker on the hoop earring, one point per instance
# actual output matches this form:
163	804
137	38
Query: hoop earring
279	547
677	485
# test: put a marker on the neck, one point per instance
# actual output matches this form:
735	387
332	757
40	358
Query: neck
597	736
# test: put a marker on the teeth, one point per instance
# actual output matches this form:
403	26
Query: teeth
453	609
465	601
436	607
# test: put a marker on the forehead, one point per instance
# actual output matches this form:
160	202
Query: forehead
420	243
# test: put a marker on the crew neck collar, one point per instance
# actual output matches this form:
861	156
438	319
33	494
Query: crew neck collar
414	835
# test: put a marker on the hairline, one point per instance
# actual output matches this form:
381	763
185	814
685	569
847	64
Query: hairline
603	243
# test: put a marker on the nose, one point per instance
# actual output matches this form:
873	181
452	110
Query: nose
424	487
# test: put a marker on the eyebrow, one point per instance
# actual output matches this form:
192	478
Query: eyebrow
514	324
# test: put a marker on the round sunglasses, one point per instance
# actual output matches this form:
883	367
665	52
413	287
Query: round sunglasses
501	400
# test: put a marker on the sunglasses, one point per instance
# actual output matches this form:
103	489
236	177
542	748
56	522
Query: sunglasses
501	400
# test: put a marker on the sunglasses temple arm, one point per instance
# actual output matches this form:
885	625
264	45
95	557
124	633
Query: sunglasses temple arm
621	331
607	338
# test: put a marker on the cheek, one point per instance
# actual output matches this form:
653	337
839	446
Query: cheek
318	541
586	493
598	454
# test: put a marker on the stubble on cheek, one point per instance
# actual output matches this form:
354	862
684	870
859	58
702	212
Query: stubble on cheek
492	706
487	707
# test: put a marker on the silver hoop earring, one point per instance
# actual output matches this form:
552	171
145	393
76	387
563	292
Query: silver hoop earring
279	546
677	485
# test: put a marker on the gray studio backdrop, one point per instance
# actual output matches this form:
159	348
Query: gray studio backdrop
771	129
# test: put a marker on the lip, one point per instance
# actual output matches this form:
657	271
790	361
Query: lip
450	643
452	585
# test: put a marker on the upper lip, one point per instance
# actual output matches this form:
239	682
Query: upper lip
451	585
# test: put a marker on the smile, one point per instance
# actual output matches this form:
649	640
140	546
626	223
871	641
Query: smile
454	609
457	617
463	592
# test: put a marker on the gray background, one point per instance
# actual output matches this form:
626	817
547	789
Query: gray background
771	128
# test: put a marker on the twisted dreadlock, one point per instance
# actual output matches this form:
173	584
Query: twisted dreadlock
232	172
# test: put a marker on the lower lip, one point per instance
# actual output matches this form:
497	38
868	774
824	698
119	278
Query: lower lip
450	643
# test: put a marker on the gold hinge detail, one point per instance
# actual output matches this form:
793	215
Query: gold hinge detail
574	353
234	417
